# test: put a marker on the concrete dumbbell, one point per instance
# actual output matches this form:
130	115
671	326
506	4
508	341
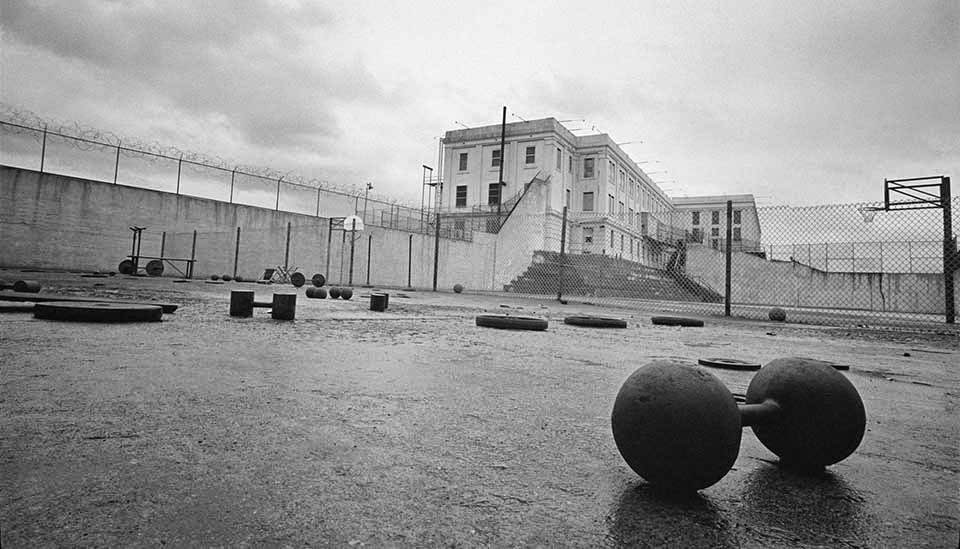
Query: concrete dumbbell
677	425
283	306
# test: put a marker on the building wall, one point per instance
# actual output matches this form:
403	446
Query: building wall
58	222
707	205
758	281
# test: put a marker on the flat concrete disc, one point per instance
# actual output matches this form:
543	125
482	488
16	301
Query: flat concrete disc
16	307
677	321
505	322
97	312
729	364
595	321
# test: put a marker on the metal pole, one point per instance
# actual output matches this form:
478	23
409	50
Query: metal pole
410	262
436	253
563	257
286	254
277	208
163	242
729	258
503	157
233	176
326	271
116	162
179	166
193	253
43	148
236	253
318	201
353	241
369	246
949	252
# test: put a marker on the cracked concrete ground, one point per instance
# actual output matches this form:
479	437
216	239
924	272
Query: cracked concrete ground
414	427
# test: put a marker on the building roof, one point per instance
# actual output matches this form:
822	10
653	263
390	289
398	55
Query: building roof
687	202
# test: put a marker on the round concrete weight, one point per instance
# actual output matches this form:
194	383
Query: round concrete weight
226	278
346	293
126	267
297	279
777	314
27	286
316	293
820	418
507	322
676	425
595	321
284	306
729	364
318	280
334	292
677	321
458	288
97	312
214	277
154	267
378	302
239	278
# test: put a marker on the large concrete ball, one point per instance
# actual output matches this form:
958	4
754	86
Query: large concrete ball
346	293
676	425
458	288
334	292
777	314
822	418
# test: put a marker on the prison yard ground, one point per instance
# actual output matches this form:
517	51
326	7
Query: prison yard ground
415	427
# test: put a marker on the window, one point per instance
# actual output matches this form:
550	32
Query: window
570	163
697	236
588	235
715	231
531	155
559	160
696	218
567	201
611	240
588	167
611	205
715	217
496	158
461	196
623	180
736	217
621	243
588	202
612	171
459	227
736	233
630	215
620	211
493	194
463	162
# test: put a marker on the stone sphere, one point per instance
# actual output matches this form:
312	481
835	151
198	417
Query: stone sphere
346	293
334	292
458	288
777	314
676	425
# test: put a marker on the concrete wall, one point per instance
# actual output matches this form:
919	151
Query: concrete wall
759	281
58	222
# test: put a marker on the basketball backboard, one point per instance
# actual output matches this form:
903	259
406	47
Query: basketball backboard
914	193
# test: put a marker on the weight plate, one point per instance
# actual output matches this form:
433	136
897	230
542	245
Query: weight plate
155	267
677	321
841	367
318	280
97	312
728	364
48	298
505	322
595	321
297	279
126	267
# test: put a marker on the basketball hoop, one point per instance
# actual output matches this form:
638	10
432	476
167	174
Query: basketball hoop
868	213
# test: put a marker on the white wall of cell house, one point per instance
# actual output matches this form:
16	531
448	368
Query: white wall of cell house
714	208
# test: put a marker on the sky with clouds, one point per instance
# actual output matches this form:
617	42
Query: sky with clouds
799	103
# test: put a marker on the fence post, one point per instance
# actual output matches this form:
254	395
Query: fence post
318	201
193	253
410	262
233	176
179	165
236	253
436	253
353	241
163	242
369	247
43	148
277	208
286	254
563	257
729	258
116	162
326	270
949	251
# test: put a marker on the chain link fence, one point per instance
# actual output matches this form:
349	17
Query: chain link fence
839	264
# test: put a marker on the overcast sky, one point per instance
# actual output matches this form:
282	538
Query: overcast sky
796	102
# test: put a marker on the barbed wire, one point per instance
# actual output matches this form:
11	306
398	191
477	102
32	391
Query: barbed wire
88	138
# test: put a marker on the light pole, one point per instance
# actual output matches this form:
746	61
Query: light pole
365	193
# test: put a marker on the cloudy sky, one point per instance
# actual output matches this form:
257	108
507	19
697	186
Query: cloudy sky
797	102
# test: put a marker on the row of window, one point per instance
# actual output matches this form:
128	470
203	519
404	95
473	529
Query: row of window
715	233
588	239
715	217
530	157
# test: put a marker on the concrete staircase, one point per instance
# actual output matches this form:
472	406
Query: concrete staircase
604	276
